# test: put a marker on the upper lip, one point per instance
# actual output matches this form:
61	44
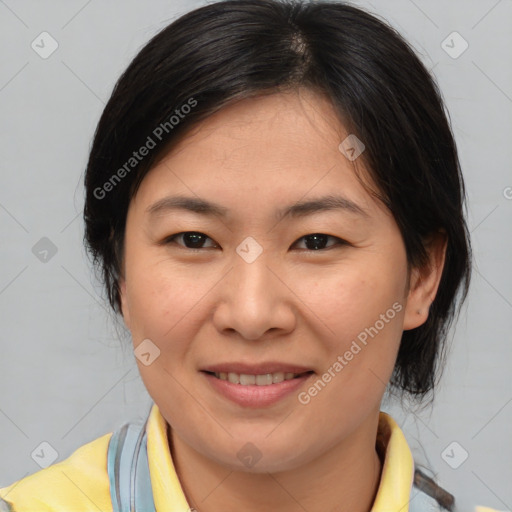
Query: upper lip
256	369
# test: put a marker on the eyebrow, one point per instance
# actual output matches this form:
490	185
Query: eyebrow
299	209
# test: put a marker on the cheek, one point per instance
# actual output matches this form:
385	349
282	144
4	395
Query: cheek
166	304
150	302
350	298
359	311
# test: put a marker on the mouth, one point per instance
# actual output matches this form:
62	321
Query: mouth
256	386
260	379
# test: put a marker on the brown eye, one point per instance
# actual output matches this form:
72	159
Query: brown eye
318	241
189	239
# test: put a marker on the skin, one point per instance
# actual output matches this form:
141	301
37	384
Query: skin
291	304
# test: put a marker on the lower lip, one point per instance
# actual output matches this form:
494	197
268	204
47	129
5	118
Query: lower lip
253	395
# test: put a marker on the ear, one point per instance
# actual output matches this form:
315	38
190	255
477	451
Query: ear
424	282
125	310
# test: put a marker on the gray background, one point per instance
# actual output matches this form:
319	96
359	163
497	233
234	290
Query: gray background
67	372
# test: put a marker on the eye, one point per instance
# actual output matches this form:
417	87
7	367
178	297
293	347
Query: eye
317	241
193	240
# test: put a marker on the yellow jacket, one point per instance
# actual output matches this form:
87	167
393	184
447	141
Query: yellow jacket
82	483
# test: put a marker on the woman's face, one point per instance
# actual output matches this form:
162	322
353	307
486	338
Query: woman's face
247	293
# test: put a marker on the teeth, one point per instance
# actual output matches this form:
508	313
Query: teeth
258	380
277	377
245	380
263	380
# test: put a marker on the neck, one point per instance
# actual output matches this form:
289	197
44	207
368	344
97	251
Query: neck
345	478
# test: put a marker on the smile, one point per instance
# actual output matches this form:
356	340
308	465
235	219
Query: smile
256	390
264	379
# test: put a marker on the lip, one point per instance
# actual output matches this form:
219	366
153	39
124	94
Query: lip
253	396
256	369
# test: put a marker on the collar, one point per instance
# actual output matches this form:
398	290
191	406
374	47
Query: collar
393	493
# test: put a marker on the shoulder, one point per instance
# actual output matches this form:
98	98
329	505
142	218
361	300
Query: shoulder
81	480
487	509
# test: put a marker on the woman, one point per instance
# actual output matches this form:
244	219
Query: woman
274	198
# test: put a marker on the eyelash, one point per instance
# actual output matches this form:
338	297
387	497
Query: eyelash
171	240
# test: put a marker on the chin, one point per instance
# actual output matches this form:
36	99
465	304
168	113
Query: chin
254	457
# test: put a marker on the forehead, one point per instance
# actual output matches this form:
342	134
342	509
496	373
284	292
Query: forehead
270	149
295	117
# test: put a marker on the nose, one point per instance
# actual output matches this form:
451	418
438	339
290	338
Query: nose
254	300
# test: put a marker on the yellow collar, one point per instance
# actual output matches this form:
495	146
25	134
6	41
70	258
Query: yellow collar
394	489
398	468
